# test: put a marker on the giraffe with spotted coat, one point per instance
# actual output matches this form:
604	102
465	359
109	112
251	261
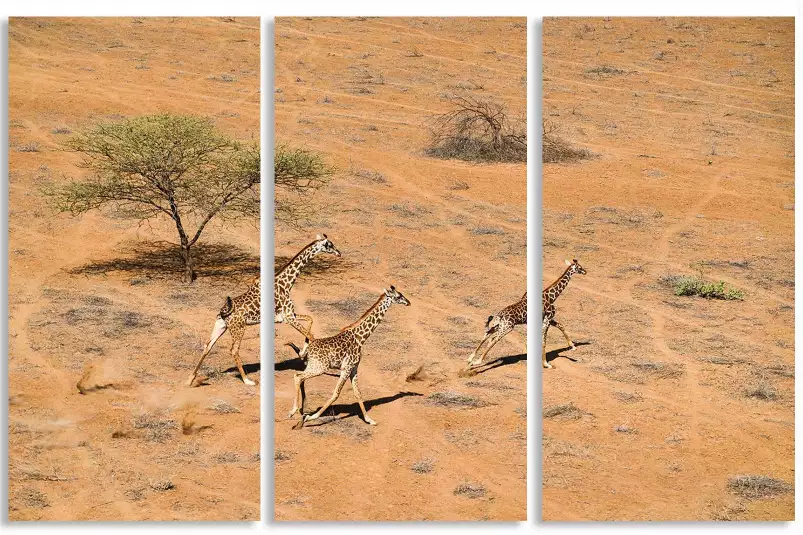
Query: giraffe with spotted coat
550	295
342	351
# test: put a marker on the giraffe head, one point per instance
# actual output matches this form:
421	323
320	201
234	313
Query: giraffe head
325	245
396	296
575	267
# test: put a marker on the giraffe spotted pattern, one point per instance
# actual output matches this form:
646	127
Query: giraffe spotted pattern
551	295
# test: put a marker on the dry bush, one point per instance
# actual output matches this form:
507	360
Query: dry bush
558	150
563	410
478	131
424	466
470	490
454	400
755	487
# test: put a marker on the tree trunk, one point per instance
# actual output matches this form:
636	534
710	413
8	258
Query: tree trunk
189	275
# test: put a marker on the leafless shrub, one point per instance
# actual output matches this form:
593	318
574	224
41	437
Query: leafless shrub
558	150
458	185
754	487
478	131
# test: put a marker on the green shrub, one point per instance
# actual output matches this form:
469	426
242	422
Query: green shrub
686	285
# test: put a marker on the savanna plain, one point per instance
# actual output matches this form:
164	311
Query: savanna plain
671	180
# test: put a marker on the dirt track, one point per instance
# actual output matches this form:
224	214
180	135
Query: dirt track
95	296
451	236
693	124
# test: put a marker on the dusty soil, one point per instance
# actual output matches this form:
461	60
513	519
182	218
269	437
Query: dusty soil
96	297
693	124
450	235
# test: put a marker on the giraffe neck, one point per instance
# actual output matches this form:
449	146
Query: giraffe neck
557	287
289	273
365	326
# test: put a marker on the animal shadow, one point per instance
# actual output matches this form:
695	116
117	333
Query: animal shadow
501	361
555	353
347	410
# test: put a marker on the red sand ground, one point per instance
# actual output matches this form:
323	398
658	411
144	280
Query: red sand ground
109	454
672	396
360	92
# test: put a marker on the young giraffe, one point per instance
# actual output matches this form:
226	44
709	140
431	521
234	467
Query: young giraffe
342	351
284	311
235	315
498	326
551	295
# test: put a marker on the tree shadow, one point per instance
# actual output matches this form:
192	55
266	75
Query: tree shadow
347	410
501	361
555	353
161	259
320	266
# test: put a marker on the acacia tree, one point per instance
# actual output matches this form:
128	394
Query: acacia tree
175	166
298	174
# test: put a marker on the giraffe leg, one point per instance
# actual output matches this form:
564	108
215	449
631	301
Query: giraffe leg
566	336
298	380
292	322
474	353
544	329
358	395
308	319
237	333
498	335
217	331
340	382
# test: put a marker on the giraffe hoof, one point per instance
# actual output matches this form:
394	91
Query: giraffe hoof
370	421
572	348
547	365
248	381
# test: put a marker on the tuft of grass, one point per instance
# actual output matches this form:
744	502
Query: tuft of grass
686	285
280	456
755	487
628	397
424	466
761	388
61	130
487	231
157	429
605	70
33	146
470	490
223	78
33	498
458	185
223	407
564	410
162	485
454	400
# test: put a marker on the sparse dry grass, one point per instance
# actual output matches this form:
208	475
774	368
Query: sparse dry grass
563	410
424	466
455	400
470	490
756	487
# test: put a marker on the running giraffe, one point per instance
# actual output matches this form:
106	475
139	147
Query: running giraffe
235	315
551	295
342	351
498	326
284	310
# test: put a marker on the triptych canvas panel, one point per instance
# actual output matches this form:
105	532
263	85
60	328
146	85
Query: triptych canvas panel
399	225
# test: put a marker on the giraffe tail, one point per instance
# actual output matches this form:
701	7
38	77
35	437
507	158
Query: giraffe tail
300	351
227	308
491	325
